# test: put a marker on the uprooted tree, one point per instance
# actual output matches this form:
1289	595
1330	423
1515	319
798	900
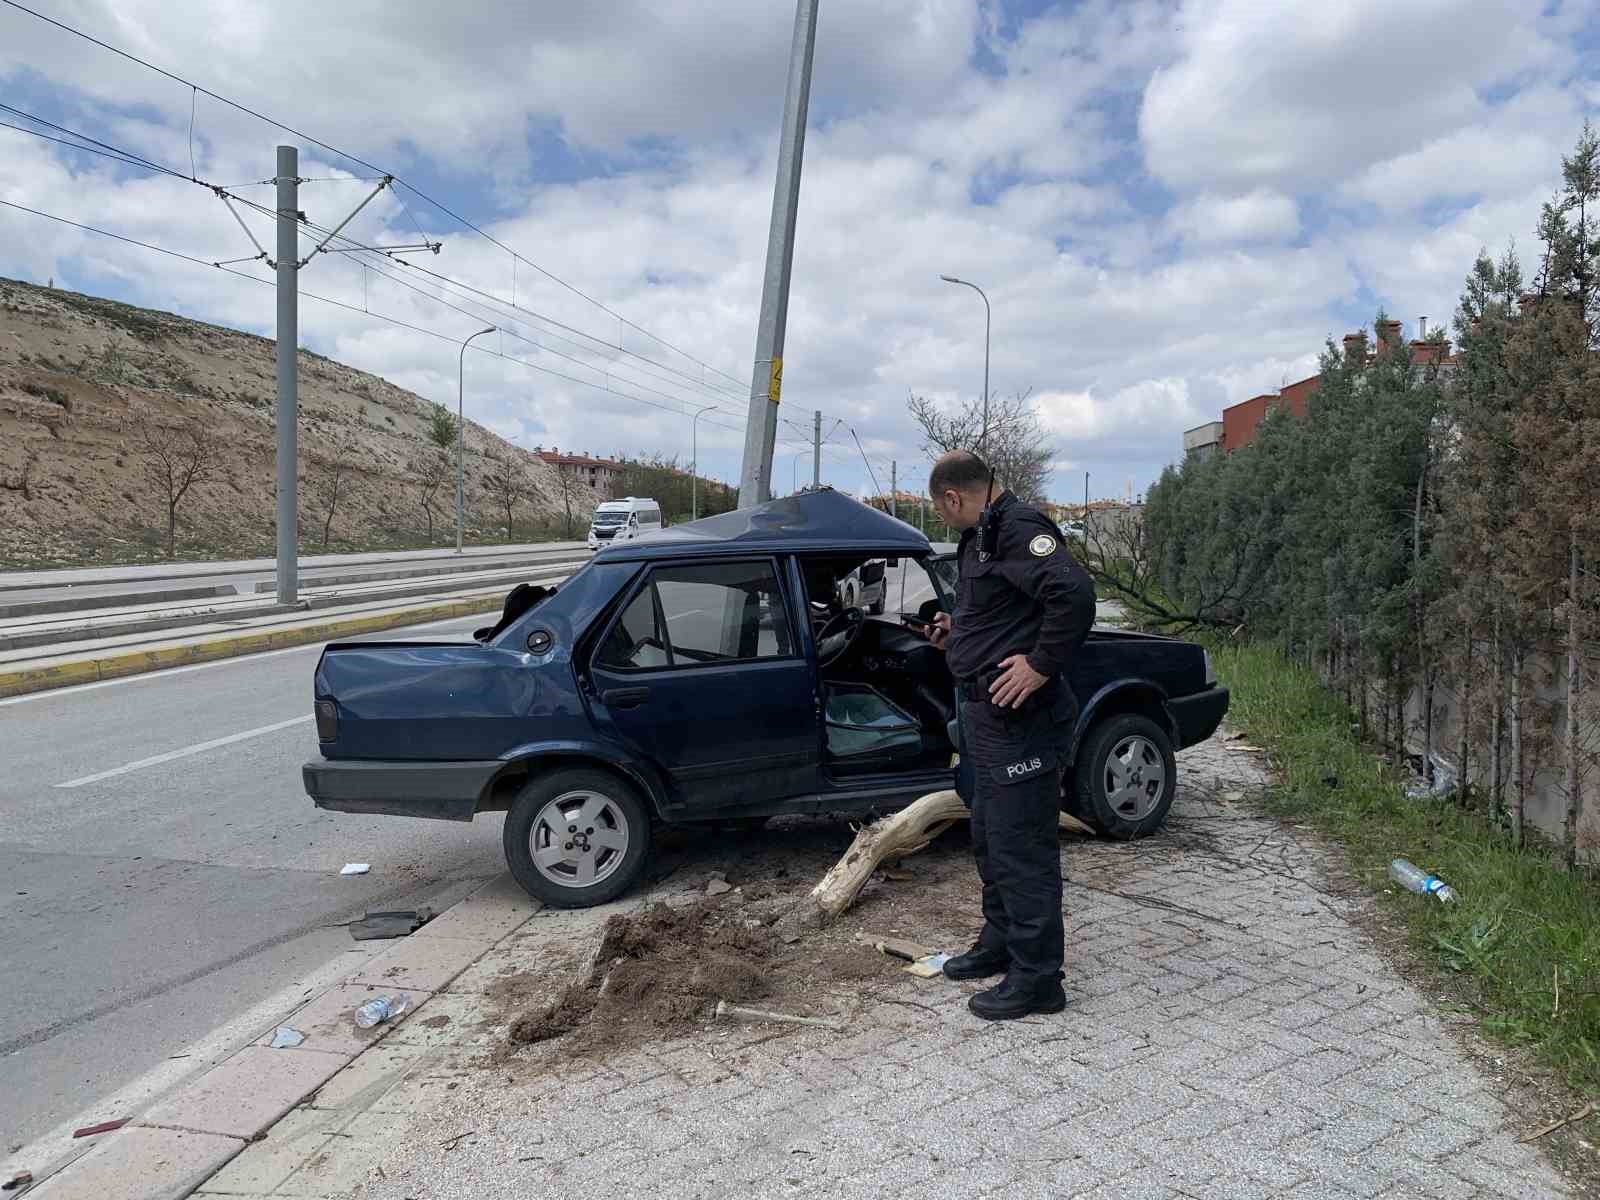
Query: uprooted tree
176	458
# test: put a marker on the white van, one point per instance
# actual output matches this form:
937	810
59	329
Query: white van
623	520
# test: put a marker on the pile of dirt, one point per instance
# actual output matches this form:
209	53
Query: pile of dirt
661	971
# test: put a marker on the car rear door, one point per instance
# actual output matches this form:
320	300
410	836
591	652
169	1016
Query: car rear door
702	672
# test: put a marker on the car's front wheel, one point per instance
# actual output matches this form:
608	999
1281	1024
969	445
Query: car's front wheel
577	837
1125	778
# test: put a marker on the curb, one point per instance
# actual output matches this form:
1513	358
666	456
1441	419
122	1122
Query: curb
185	1138
24	680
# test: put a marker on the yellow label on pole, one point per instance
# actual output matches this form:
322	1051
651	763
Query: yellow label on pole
776	385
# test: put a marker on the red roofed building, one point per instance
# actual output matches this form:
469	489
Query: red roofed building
1240	421
597	473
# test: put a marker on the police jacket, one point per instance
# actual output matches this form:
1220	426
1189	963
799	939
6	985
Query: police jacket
1028	597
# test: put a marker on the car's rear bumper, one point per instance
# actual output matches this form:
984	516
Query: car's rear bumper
1198	716
447	791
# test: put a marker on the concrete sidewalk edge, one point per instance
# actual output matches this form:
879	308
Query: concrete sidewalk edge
182	1140
24	680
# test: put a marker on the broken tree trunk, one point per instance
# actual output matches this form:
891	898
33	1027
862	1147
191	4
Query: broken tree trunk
906	832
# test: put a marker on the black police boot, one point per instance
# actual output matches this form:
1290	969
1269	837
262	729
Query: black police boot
976	963
1010	1000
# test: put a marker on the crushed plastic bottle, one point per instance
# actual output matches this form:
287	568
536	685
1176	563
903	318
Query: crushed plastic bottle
376	1012
1415	879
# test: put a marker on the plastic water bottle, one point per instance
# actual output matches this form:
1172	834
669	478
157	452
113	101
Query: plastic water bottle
1415	879
376	1012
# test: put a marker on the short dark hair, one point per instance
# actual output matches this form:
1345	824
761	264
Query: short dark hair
961	470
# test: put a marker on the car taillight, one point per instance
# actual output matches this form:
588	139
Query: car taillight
327	721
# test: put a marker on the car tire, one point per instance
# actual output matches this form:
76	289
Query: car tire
588	802
1138	752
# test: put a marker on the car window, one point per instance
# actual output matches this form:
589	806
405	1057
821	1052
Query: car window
635	642
722	612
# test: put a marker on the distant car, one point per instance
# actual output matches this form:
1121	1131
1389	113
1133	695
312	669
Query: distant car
710	673
865	587
623	520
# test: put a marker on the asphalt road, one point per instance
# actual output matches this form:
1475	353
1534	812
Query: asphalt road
154	901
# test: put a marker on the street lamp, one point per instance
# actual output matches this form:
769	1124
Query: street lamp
461	437
984	435
694	465
794	471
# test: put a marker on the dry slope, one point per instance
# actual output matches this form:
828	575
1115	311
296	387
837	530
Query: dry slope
82	380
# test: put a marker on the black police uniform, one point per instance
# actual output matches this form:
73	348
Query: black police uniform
1028	596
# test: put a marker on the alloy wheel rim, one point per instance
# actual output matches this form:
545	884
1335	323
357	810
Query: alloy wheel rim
1135	778
579	839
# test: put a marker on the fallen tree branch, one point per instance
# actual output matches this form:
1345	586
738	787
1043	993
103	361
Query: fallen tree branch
896	836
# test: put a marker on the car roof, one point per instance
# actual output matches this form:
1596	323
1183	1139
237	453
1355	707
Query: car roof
815	519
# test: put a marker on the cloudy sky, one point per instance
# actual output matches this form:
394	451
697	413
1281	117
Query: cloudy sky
1170	205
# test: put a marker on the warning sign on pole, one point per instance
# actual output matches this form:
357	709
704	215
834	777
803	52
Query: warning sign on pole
777	379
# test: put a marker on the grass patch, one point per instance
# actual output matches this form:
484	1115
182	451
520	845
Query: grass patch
1521	920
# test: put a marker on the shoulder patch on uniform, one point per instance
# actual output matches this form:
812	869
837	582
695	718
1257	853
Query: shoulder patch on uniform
1042	546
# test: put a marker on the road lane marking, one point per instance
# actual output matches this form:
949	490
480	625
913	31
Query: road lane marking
197	748
237	660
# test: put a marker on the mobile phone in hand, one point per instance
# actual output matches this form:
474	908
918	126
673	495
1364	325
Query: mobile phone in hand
915	622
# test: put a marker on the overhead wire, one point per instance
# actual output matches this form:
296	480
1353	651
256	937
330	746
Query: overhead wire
433	333
131	158
196	89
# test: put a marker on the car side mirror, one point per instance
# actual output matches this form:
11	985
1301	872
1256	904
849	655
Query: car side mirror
892	564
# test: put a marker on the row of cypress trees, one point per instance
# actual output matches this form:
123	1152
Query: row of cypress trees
1428	525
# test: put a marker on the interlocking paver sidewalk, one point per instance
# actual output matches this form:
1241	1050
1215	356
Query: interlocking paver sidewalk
1231	1035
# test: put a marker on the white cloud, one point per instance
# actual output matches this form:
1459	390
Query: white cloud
1261	215
1273	134
1295	95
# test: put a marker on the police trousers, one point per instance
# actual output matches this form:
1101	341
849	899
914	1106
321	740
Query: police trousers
1010	779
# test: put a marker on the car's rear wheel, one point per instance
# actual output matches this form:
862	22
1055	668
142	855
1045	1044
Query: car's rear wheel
577	837
1125	778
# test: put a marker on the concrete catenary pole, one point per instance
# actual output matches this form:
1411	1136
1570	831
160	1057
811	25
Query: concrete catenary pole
816	449
755	476
288	181
894	490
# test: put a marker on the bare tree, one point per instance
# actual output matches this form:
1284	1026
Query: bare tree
331	480
177	458
430	471
1014	444
509	484
568	487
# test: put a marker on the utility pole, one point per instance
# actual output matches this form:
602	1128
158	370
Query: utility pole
755	477
288	181
894	490
461	437
983	434
816	449
694	460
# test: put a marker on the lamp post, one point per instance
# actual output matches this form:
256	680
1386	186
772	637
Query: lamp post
461	437
983	436
694	463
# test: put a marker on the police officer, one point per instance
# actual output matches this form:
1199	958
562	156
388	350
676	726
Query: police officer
1023	608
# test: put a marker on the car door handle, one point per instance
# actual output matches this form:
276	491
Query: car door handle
631	697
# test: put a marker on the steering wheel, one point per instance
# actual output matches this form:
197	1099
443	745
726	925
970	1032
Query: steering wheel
838	634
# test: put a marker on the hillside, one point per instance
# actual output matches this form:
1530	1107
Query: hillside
89	386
